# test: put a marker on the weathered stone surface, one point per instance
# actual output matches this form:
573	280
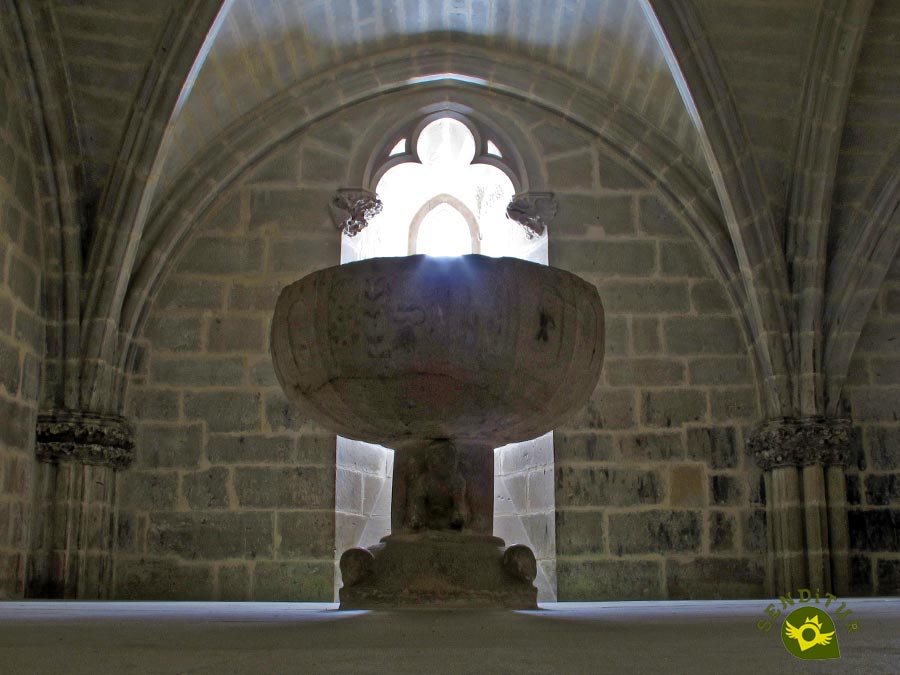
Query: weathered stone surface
607	409
702	335
175	333
673	408
609	580
625	258
686	486
301	256
682	259
234	583
888	575
646	371
590	446
222	255
734	404
197	371
725	490
149	490
884	448
655	532
153	404
577	486
652	447
645	297
294	581
655	219
645	335
709	297
715	578
140	579
717	446
251	449
722	532
306	534
321	165
189	294
225	410
9	368
236	334
406	324
573	171
579	533
719	370
289	487
206	489
874	530
580	214
211	535
169	446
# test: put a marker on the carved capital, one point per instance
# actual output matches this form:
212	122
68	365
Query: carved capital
801	441
88	438
353	208
534	211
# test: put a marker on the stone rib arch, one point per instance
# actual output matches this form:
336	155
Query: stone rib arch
131	189
829	77
726	146
414	70
858	276
44	88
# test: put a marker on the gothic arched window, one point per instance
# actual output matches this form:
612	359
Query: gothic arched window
445	188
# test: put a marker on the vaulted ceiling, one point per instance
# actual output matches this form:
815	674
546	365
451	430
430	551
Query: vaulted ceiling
786	108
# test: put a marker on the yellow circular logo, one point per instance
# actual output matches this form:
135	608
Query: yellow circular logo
808	633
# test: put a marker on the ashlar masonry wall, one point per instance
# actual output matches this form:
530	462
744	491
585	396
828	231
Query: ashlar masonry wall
21	332
655	496
233	493
873	480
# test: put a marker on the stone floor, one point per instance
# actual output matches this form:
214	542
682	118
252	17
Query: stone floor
632	638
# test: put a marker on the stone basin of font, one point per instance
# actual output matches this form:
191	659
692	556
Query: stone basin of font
442	360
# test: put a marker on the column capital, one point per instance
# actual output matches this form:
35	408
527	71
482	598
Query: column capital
534	211
87	438
353	208
801	441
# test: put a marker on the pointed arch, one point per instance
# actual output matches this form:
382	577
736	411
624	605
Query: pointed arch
739	186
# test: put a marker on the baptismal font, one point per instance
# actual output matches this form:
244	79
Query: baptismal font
441	360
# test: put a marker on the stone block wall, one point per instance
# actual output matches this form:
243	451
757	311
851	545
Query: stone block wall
524	505
655	496
363	482
21	332
232	495
873	480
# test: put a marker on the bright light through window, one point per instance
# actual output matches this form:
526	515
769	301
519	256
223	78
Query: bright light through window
444	232
399	148
473	222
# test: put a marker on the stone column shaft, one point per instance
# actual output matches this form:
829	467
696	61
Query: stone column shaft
838	528
805	502
79	455
815	509
784	511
